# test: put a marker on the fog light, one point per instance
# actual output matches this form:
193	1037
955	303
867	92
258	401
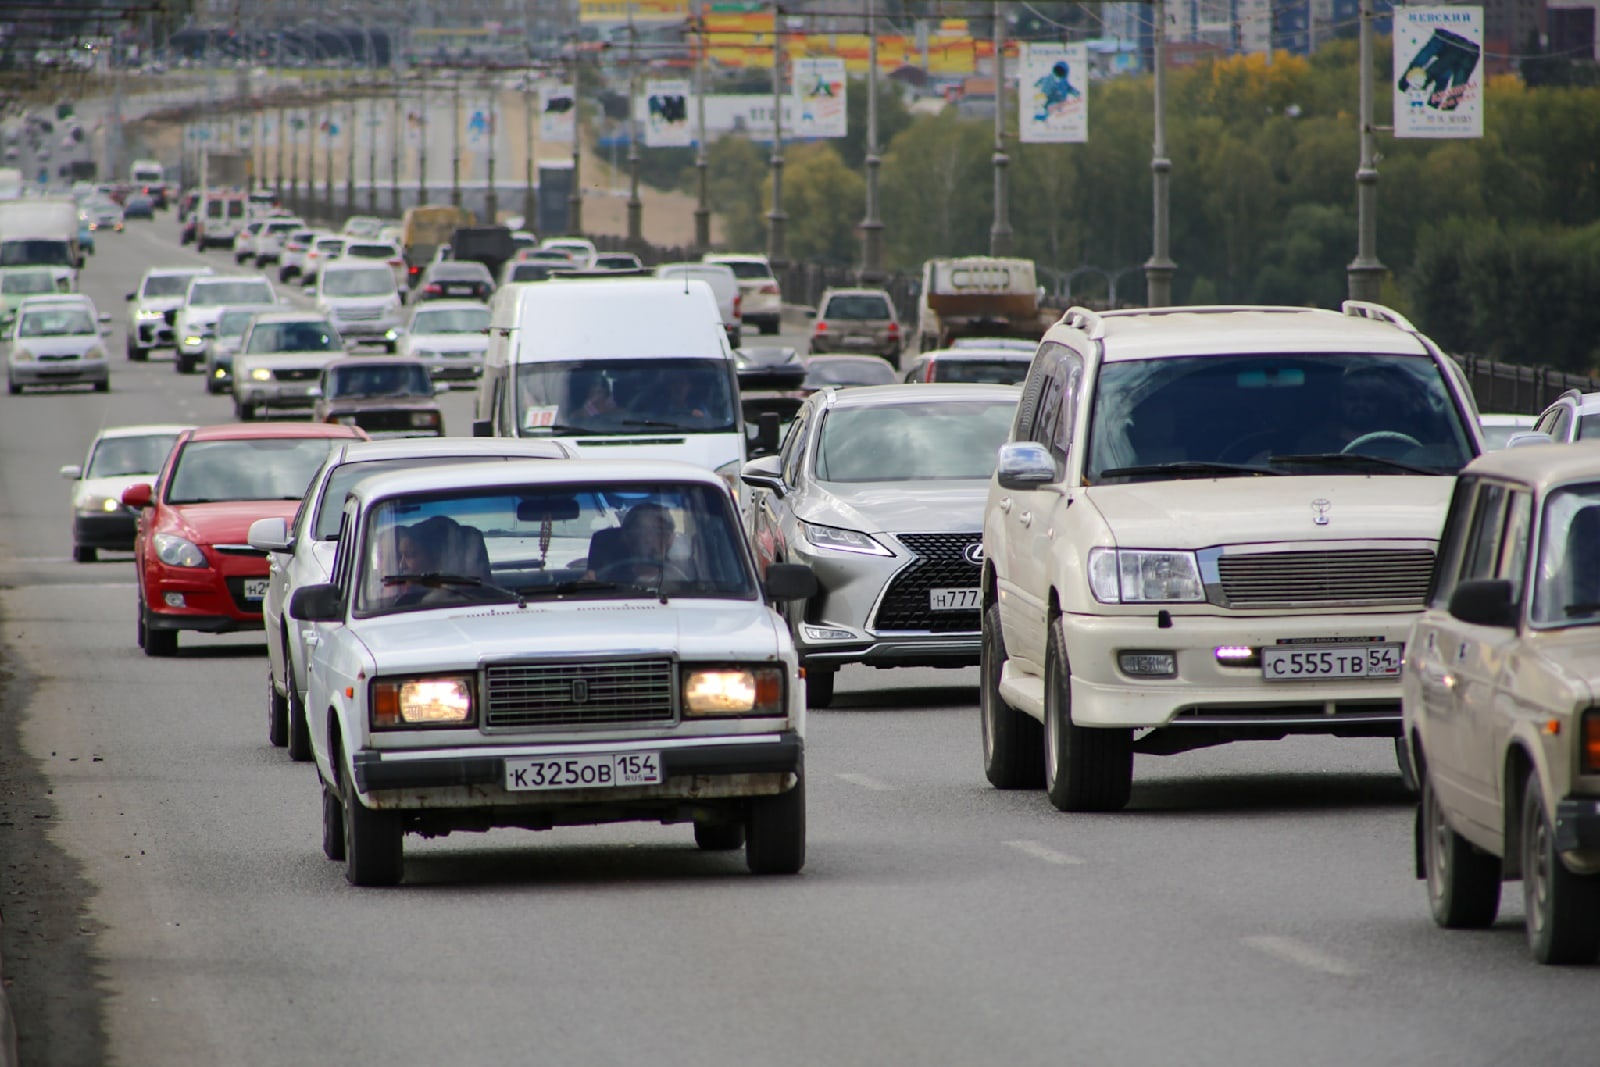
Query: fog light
175	600
1235	655
1148	664
822	633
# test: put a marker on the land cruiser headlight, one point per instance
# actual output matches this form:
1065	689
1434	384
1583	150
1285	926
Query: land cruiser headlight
1142	576
398	703
709	691
260	374
175	551
842	540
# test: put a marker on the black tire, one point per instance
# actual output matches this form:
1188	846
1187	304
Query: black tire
245	412
182	364
718	836
13	388
85	553
332	825
374	853
819	686
1408	770
277	714
768	326
139	630
1561	909
1463	882
137	354
775	832
299	733
103	386
214	387
159	643
1013	743
389	347
1085	769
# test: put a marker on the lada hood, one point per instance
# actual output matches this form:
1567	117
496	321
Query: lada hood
708	450
227	522
1199	513
944	506
456	637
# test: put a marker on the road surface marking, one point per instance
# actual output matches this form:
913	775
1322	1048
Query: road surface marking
1043	852
1300	954
865	783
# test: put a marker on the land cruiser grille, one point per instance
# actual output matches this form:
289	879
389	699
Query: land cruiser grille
1368	576
941	563
605	693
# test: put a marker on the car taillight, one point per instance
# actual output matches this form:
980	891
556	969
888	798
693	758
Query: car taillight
770	289
433	289
738	303
413	270
820	327
894	329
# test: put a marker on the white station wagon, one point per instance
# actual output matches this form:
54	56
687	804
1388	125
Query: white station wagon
549	644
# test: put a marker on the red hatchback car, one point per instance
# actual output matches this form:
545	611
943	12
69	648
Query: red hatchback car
195	569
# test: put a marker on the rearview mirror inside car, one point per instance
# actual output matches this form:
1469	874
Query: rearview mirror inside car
551	508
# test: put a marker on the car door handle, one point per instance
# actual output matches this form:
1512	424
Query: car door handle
1026	518
1005	504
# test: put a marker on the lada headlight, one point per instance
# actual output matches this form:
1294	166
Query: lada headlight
1143	576
424	419
175	551
842	540
401	703
710	691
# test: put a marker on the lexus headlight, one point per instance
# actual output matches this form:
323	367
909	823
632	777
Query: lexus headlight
1141	576
733	691
174	551
422	702
260	374
842	540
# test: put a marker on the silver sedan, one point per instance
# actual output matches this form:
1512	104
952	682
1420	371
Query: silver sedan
881	491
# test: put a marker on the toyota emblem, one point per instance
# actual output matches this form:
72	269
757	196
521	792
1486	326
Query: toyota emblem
1320	508
973	553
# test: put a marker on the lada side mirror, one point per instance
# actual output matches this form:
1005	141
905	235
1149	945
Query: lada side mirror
764	473
790	581
138	496
1484	602
1025	465
270	535
317	603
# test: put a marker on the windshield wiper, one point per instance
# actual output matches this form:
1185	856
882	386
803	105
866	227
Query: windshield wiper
563	427
1188	468
577	585
654	423
1346	459
437	580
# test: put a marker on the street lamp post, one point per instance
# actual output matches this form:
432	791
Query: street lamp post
294	162
776	217
702	207
635	205
872	272
491	198
575	196
530	209
395	135
455	149
1364	275
1000	231
277	171
372	155
422	146
1159	268
350	158
327	171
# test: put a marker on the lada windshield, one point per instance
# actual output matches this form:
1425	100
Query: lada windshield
552	543
1214	416
626	396
913	441
374	380
451	320
1566	579
272	468
117	456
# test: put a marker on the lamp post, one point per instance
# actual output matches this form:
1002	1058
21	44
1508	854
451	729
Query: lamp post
294	162
776	217
702	207
277	170
455	143
635	205
1159	268
350	157
1364	275
327	171
422	146
395	135
575	196
1000	230
491	198
530	209
872	272
372	155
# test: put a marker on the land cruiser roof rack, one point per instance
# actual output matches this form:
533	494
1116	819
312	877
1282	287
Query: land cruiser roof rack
1087	320
1366	309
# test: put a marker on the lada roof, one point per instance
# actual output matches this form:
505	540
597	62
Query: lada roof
238	431
578	472
1226	330
866	396
464	447
1541	466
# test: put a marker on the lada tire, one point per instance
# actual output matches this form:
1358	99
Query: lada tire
1561	909
332	824
299	733
819	686
714	836
1013	743
374	855
1463	882
775	833
277	714
1085	769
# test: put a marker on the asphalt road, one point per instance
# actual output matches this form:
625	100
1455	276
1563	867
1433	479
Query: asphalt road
166	900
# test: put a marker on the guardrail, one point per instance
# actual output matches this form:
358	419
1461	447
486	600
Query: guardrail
1515	389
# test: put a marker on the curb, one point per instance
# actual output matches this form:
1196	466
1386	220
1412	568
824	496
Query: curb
8	1030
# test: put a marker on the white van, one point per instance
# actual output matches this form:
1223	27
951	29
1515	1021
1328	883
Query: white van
625	368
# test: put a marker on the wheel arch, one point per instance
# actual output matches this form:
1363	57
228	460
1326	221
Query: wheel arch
1520	765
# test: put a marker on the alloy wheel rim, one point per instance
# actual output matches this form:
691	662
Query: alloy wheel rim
1438	842
1536	873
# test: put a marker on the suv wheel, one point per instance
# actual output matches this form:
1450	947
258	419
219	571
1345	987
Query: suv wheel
1562	909
1013	746
1084	769
373	842
819	686
1463	883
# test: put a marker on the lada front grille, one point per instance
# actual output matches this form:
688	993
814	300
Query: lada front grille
1369	576
601	693
941	563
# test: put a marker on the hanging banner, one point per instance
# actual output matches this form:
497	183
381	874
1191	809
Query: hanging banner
819	97
666	118
480	131
416	122
1051	105
1438	71
558	113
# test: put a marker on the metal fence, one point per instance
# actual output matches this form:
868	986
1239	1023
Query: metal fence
1514	389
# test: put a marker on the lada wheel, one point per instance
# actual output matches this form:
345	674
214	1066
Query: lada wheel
713	836
775	835
332	825
1084	769
299	733
819	686
1463	882
277	714
1013	747
1561	909
373	853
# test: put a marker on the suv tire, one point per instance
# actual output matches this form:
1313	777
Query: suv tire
1463	883
1013	743
1562	909
1085	769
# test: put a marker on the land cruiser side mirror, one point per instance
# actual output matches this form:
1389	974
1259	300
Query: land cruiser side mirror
1484	602
270	535
764	473
317	603
1025	465
790	581
138	496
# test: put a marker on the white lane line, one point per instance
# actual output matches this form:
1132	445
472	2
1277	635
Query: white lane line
1044	852
1300	954
865	783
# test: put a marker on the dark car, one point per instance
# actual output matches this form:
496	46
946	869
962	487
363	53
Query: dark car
384	396
990	366
139	206
843	371
456	279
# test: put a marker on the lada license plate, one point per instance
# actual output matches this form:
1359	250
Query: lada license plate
593	770
255	588
952	599
1310	663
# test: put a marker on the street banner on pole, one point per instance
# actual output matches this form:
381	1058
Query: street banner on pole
819	97
1052	107
1438	73
558	113
666	119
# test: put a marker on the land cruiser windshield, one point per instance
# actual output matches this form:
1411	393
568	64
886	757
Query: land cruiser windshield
626	396
1215	416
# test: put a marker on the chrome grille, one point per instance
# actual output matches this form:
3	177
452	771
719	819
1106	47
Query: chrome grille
602	693
1348	576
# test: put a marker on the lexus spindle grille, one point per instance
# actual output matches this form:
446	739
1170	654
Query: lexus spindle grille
941	563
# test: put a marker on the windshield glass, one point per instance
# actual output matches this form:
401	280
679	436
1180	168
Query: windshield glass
857	308
992	371
451	320
19	282
282	227
746	269
626	396
1370	414
529	272
913	441
167	284
233	323
262	469
56	322
40	253
117	456
822	372
294	337
615	541
378	379
378	282
330	509
243	291
372	252
1566	581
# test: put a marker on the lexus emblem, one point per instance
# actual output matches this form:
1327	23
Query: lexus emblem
1320	509
580	691
973	553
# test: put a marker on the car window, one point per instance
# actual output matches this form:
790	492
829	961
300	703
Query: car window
1064	384
252	469
450	320
1047	408
747	269
914	441
1561	426
27	282
243	291
166	284
793	452
1567	572
1447	561
1480	557
857	307
345	476
378	379
980	371
293	337
370	251
1588	427
233	323
1514	542
867	371
55	322
114	457
626	396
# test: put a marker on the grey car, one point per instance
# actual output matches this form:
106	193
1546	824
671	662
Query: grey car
881	490
224	341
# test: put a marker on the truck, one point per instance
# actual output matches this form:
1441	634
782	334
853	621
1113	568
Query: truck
423	229
225	170
490	245
41	233
979	296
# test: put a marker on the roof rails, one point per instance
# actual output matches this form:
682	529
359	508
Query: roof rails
1366	309
1087	320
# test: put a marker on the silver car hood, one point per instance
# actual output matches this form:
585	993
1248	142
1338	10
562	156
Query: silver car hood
942	506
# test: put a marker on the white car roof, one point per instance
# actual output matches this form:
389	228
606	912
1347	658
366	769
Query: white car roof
448	305
578	472
1228	330
174	272
152	429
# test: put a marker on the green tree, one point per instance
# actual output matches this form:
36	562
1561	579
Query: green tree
824	200
893	117
933	181
735	170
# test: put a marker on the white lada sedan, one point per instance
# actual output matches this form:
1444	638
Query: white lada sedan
551	644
